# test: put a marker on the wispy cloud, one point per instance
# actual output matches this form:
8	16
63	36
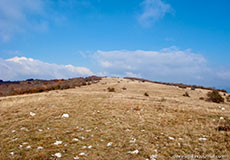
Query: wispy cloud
19	68
153	10
19	16
15	16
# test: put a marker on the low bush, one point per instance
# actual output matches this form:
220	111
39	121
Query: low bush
228	98
223	128
111	89
186	94
201	98
182	86
214	96
146	94
193	88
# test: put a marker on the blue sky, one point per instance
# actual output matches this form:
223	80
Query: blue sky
175	41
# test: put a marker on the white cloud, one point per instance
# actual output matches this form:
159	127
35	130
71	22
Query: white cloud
19	68
153	10
169	64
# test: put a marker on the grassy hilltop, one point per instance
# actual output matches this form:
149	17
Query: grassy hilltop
115	119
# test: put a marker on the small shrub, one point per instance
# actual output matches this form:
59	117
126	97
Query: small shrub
186	94
124	88
111	89
182	86
201	98
146	94
162	99
136	108
214	96
64	86
193	88
228	98
223	128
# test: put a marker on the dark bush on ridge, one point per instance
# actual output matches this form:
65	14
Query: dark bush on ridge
214	96
193	87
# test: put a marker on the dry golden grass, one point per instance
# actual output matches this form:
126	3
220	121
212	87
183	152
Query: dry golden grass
158	126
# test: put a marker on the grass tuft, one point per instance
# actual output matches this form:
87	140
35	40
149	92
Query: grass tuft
146	94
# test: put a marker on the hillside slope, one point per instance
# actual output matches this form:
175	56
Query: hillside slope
91	123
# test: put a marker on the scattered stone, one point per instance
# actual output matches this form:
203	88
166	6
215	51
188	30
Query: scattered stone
153	157
89	147
13	131
58	142
202	139
24	143
171	138
133	140
24	129
40	148
11	153
32	114
109	144
65	115
82	154
76	157
15	139
75	139
134	152
58	155
28	147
